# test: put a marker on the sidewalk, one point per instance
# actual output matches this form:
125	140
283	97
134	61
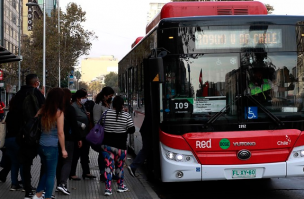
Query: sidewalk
139	188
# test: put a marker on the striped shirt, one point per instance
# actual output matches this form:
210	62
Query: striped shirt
116	130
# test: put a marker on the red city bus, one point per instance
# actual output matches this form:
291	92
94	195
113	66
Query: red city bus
225	94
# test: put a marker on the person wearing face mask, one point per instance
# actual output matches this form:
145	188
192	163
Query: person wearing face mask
89	105
82	116
102	103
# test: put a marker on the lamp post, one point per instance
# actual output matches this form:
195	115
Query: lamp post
43	67
59	83
19	50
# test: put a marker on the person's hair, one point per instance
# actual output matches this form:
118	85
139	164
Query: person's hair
31	79
53	102
79	94
104	92
12	104
67	97
84	89
118	103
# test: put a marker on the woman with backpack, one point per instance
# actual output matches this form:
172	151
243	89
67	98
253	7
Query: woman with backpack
118	124
82	116
52	121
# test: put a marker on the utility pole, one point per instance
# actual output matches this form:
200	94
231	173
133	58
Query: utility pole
59	84
19	47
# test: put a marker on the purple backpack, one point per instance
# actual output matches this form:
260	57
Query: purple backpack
96	134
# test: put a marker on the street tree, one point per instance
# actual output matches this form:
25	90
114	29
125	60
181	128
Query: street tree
270	8
95	87
111	80
83	85
75	41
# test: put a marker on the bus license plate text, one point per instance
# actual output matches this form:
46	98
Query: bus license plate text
244	173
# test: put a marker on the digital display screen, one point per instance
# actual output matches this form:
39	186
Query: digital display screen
241	38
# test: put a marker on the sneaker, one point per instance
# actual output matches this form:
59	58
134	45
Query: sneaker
15	187
63	189
36	197
122	188
108	192
43	193
29	195
131	171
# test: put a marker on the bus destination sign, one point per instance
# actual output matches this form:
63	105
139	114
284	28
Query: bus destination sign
241	38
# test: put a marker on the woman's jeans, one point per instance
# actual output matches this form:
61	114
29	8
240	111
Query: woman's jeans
12	149
49	159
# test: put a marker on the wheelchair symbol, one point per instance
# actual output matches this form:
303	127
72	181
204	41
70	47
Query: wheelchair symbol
251	114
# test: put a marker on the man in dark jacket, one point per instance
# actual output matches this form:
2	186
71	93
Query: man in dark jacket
27	154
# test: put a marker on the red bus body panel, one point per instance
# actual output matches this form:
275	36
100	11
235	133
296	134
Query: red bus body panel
186	9
136	41
266	146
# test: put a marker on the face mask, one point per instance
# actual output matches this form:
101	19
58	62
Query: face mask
109	100
38	84
82	101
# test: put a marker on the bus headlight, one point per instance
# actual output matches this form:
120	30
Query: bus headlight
298	154
179	157
170	155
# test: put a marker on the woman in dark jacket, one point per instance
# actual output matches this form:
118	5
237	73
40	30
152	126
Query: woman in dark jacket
11	145
72	135
79	98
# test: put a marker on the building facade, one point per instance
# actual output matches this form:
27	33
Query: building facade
11	26
30	13
94	69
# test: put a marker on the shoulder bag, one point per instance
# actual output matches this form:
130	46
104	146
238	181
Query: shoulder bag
96	134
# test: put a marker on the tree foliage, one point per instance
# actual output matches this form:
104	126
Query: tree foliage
83	85
270	8
74	42
111	80
95	87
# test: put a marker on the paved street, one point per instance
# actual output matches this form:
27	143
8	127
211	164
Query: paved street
139	188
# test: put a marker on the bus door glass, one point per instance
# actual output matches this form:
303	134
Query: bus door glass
201	85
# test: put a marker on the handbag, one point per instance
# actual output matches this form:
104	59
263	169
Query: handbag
96	134
2	134
29	135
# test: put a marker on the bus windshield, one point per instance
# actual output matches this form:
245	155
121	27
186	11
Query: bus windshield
241	85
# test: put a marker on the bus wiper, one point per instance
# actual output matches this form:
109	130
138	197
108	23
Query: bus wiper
267	112
219	114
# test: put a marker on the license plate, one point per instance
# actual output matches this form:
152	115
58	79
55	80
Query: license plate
243	173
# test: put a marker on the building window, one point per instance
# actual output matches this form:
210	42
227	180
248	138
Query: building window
14	19
14	4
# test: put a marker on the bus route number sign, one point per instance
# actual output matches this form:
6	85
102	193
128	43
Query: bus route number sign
182	105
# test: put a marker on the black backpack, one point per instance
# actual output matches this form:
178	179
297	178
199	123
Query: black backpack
30	131
30	105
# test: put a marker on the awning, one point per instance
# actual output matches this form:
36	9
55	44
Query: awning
6	56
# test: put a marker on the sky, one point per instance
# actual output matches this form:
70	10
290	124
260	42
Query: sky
117	23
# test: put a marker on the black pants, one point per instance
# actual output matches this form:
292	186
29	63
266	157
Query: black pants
83	153
64	164
26	157
6	165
